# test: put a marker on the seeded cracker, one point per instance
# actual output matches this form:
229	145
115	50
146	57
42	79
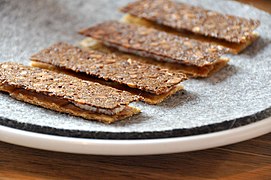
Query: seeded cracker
195	19
161	46
230	47
147	80
65	93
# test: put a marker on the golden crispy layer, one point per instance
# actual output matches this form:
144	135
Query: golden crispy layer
64	106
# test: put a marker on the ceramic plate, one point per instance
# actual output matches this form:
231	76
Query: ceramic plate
236	98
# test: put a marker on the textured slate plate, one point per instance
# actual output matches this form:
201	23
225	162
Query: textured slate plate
238	95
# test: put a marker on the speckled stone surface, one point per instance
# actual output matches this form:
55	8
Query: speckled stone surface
238	95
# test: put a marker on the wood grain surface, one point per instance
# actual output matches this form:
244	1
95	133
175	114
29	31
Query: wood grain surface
246	160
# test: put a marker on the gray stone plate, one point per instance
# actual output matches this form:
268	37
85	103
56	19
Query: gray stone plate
238	95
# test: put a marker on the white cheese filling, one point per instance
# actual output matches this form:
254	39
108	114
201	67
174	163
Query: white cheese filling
101	110
140	53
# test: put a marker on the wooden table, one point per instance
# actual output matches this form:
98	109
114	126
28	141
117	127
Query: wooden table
246	160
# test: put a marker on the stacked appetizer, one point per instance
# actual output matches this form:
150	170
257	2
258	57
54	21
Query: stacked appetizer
143	57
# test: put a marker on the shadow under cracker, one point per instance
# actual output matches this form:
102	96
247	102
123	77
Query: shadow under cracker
179	99
135	119
222	75
256	47
2	4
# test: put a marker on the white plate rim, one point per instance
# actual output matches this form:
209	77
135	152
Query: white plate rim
134	147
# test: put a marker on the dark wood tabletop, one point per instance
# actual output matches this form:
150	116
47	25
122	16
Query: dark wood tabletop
247	160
